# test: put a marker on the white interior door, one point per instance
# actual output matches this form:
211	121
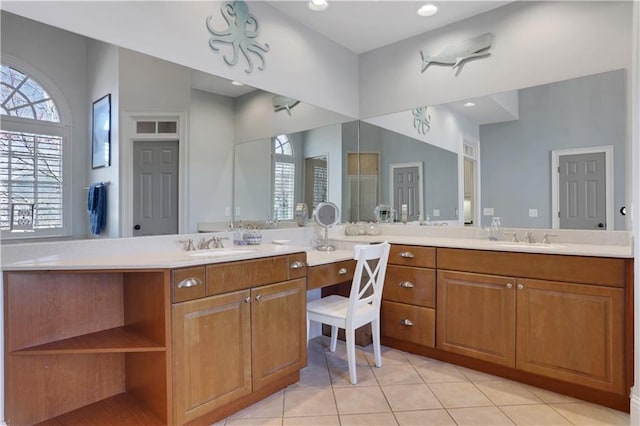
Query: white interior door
155	187
406	190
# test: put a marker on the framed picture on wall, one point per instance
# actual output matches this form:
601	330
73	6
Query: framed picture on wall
101	132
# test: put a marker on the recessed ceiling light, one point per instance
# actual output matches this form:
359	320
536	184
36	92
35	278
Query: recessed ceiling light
428	10
237	83
318	5
469	104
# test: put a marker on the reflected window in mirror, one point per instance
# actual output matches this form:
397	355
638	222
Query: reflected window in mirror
284	178
316	181
31	153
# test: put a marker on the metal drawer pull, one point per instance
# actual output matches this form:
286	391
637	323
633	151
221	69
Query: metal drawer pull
342	271
509	285
520	286
406	322
247	299
297	265
189	282
406	284
407	254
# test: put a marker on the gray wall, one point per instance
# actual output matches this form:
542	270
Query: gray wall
516	156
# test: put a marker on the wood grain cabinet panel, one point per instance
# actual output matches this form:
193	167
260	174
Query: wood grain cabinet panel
408	323
187	284
212	353
244	274
406	284
571	332
330	274
476	316
417	256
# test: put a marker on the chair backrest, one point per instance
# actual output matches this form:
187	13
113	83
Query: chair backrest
368	280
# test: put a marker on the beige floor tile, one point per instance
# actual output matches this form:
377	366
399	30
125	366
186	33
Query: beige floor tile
459	394
389	356
424	418
271	406
478	376
313	377
433	371
339	357
275	421
302	402
534	415
340	377
311	421
550	397
360	400
396	374
585	413
506	392
378	419
410	397
479	416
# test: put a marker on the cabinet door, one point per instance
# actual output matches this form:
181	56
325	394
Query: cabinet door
211	353
476	316
279	330
572	332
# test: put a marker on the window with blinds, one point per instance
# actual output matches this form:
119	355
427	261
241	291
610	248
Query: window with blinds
284	178
31	153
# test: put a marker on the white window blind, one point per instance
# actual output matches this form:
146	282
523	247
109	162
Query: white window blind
284	178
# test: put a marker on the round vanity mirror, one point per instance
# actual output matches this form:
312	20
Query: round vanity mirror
326	215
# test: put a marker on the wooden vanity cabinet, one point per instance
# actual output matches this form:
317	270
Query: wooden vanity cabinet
566	330
243	341
409	296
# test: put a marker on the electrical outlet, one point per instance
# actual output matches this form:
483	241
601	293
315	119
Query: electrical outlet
533	212
227	211
436	212
237	212
487	211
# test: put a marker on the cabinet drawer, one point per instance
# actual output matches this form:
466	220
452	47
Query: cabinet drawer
405	284
412	256
297	266
330	274
408	323
187	284
233	276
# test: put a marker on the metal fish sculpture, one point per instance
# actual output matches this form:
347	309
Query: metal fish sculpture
282	102
454	55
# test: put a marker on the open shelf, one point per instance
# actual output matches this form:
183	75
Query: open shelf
118	410
119	339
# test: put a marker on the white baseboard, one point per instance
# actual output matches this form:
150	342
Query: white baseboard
635	409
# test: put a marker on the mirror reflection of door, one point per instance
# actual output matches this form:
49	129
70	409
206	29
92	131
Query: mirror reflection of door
469	191
155	187
316	181
406	189
582	191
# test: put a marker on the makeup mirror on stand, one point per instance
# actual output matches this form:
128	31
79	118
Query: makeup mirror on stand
326	215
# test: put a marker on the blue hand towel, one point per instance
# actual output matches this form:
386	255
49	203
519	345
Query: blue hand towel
97	207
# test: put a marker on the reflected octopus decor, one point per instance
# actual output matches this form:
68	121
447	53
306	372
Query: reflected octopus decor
101	133
475	47
241	34
283	103
421	120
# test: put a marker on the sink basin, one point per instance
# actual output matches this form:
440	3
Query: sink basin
221	252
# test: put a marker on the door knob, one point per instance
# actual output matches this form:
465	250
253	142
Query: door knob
601	225
137	227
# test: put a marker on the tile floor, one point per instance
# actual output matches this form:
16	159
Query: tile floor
412	390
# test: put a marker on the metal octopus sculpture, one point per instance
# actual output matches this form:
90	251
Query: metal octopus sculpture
421	120
241	34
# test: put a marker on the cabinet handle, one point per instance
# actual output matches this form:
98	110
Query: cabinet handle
247	299
189	282
297	265
406	322
258	297
509	285
520	286
342	271
407	255
406	284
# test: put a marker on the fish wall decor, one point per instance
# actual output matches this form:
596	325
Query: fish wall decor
475	47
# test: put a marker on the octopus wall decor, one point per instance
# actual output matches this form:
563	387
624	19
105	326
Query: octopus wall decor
421	120
241	35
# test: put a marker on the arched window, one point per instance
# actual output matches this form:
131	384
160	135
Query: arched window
284	182
31	157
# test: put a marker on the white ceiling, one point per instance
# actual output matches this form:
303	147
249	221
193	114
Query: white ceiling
362	25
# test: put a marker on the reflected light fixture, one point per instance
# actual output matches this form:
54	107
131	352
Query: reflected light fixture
236	83
428	10
469	104
318	5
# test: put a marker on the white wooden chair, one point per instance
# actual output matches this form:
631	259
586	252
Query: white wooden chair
360	308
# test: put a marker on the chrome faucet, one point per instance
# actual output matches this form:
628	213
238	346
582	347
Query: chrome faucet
205	244
528	237
545	238
514	236
188	244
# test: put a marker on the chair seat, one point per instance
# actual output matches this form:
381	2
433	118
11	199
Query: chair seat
335	307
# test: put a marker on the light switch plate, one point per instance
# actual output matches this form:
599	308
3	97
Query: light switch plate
533	212
487	211
227	211
436	212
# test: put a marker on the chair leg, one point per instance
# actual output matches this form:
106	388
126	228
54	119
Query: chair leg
375	334
351	355
334	338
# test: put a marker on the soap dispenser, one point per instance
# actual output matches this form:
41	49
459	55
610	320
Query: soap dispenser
495	230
